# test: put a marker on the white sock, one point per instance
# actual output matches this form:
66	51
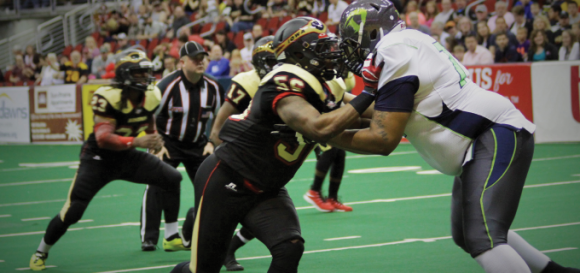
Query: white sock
242	238
170	229
43	247
502	259
535	259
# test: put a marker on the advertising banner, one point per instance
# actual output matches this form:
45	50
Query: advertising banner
512	81
88	123
56	114
556	91
14	115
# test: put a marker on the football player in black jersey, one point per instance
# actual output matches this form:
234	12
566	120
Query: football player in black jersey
122	111
243	181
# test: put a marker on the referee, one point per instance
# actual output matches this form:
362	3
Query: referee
189	99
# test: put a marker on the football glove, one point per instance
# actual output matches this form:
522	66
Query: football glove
371	73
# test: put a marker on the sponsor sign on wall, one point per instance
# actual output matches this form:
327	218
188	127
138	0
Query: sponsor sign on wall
14	114
509	80
56	114
556	91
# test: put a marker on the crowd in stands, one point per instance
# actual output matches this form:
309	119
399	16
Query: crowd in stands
524	31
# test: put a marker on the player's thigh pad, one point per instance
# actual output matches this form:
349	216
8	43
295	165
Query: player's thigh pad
144	168
491	186
274	219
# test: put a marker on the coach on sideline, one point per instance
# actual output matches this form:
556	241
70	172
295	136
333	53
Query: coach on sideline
189	99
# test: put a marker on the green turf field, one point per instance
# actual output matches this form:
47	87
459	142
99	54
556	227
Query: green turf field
400	221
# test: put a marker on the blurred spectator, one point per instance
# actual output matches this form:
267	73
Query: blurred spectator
437	29
335	10
541	23
526	6
523	42
573	12
151	29
110	71
411	7
246	52
535	10
450	43
50	74
452	31
414	23
570	49
134	27
87	59
179	20
160	52
481	13
554	15
176	45
501	27
169	64
500	11
257	32
319	7
122	42
91	45
38	62
208	11
461	6
17	50
227	46
306	8
540	48
218	65
483	34
158	14
576	31
459	52
237	64
29	55
476	54
520	20
75	71
63	59
20	73
436	37
2	79
240	18
562	25
100	63
276	8
465	27
431	12
445	14
190	6
504	51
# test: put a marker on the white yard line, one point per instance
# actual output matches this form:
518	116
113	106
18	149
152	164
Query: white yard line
36	182
559	249
556	158
28	268
51	201
405	241
86	221
342	238
35	219
5	215
49	164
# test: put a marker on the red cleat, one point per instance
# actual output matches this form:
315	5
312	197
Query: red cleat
338	206
314	198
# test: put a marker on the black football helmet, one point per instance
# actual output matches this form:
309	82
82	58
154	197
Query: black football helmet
305	42
362	25
263	57
134	71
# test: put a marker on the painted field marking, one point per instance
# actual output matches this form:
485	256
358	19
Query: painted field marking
36	182
555	158
49	164
1	161
28	268
5	215
576	174
35	219
86	221
342	238
559	249
386	169
51	201
1	261
405	241
429	172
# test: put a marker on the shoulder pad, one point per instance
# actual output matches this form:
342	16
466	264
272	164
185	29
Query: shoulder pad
301	74
152	98
112	95
337	88
249	80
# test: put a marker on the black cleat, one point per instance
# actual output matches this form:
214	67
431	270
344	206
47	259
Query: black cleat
148	246
553	267
232	265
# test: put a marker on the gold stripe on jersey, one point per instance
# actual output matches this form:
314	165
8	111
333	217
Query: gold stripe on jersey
350	81
337	87
301	74
249	80
113	97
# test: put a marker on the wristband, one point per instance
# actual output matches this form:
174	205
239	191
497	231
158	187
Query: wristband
362	102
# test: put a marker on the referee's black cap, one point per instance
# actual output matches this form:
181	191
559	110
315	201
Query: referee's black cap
191	49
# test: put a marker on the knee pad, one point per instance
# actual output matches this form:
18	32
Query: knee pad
181	268
286	256
74	213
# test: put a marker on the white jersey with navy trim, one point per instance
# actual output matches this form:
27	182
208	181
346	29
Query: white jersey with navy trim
449	110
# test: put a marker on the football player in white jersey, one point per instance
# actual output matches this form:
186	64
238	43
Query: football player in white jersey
478	136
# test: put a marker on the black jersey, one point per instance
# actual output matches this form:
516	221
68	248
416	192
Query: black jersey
249	148
130	119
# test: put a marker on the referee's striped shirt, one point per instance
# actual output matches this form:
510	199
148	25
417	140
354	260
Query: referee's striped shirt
185	107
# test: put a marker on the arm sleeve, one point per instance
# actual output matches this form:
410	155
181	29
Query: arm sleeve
398	95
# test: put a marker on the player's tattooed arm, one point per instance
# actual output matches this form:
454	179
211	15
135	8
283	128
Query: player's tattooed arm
383	136
225	111
302	117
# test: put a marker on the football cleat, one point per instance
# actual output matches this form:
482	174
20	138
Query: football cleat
174	243
148	245
338	206
232	265
37	261
314	198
